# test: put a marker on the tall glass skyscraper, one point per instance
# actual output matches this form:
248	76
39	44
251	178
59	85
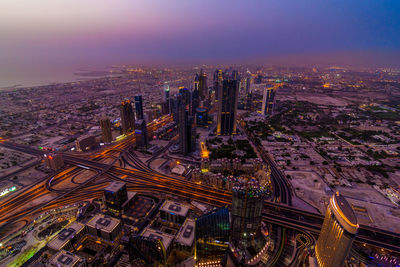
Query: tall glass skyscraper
203	88
212	237
227	104
268	103
186	131
139	107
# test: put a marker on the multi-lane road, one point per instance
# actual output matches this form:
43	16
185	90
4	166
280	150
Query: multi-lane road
143	179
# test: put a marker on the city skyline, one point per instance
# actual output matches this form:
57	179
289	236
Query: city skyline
200	133
65	35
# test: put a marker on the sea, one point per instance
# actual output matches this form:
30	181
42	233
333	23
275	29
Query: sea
30	77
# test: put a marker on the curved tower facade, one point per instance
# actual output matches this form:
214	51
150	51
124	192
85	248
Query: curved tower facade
337	233
246	213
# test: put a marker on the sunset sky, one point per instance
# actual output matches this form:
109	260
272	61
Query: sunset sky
53	32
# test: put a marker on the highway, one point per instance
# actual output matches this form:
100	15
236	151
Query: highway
143	179
282	188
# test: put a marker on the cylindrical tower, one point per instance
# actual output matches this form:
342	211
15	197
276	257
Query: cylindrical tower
337	233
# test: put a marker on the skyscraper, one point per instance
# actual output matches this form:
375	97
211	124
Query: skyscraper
186	96
127	117
195	96
227	104
141	133
203	88
246	214
186	131
248	83
115	195
139	107
212	238
337	233
106	129
176	102
217	83
268	103
166	99
54	161
247	91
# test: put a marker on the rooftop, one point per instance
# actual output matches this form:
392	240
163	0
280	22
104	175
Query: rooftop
103	222
65	259
63	237
186	233
166	239
175	208
343	212
114	187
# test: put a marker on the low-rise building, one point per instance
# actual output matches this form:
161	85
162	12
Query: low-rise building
185	237
67	237
104	226
174	212
67	259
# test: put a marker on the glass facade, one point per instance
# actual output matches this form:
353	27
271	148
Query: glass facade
212	236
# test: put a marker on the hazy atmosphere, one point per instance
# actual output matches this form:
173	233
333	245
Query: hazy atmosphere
62	35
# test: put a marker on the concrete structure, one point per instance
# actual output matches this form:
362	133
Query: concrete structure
54	161
185	237
106	227
127	117
174	212
67	259
85	142
67	237
337	233
268	103
165	239
105	125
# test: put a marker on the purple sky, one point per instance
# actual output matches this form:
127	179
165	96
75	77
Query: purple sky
75	32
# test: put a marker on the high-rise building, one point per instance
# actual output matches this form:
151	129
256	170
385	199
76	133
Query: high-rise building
268	103
152	246
85	142
203	88
201	116
166	99
337	233
115	195
176	102
141	133
54	161
186	131
106	130
212	238
195	96
247	88
217	83
227	104
139	107
247	92
246	214
127	116
186	96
